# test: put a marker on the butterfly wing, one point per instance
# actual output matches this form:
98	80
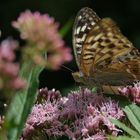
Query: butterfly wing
103	54
84	22
116	74
104	46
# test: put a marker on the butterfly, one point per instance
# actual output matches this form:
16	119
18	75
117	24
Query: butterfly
103	54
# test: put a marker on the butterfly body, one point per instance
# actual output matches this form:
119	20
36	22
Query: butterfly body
103	54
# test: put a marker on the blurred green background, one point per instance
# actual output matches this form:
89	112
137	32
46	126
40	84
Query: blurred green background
125	12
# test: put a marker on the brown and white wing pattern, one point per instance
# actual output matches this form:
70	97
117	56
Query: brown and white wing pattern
84	22
104	45
103	54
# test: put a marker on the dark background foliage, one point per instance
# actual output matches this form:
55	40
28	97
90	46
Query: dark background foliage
125	12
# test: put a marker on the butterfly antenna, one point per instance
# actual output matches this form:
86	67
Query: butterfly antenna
67	68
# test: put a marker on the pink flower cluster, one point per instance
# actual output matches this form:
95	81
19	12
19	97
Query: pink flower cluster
82	115
9	79
131	92
41	33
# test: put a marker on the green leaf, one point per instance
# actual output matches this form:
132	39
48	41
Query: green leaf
94	89
22	103
64	30
133	113
122	138
125	128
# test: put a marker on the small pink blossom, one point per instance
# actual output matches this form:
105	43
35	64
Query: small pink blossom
7	49
98	136
111	109
124	91
8	68
131	92
41	114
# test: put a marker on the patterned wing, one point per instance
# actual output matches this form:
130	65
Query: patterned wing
104	46
119	73
103	54
84	22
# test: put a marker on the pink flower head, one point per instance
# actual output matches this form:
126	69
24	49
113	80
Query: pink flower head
7	49
131	92
8	68
41	33
41	114
111	109
82	115
135	92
